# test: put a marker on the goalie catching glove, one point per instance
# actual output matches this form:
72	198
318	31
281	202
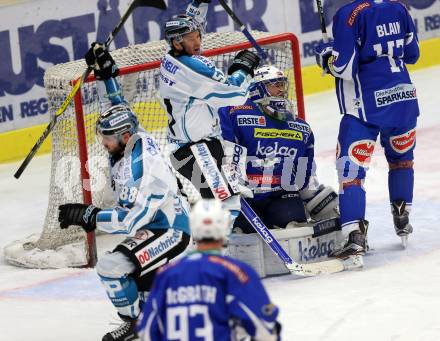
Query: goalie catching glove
78	214
100	60
245	60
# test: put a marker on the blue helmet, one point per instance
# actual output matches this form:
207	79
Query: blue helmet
178	26
117	120
277	105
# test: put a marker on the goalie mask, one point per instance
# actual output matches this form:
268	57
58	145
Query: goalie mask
269	90
178	26
208	220
116	121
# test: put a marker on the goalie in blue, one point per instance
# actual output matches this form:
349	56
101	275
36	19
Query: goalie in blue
280	155
207	296
373	42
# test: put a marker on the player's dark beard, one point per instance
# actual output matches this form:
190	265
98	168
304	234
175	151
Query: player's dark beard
118	153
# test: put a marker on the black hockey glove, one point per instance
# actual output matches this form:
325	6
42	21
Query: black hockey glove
100	60
202	1
323	52
276	331
78	214
244	60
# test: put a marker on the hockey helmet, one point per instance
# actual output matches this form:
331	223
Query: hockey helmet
178	26
277	105
116	121
208	220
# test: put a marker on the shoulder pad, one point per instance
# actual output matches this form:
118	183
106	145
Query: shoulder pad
299	125
231	266
401	3
198	64
355	12
151	145
241	108
204	60
131	142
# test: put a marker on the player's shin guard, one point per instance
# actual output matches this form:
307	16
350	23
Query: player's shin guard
123	293
401	181
352	201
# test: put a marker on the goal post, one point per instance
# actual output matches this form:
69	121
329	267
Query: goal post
79	170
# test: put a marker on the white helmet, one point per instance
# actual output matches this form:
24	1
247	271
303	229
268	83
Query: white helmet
209	220
278	105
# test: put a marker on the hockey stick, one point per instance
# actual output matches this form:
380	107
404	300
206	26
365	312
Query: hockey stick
245	31
207	165
323	26
311	269
322	21
160	4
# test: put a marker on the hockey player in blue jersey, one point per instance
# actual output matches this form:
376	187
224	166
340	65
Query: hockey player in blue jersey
207	296
149	209
373	42
280	149
192	89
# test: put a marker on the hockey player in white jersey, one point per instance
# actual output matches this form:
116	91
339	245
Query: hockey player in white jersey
149	209
193	89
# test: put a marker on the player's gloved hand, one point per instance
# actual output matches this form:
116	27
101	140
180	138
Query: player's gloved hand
100	60
78	214
245	60
198	2
276	333
277	330
323	52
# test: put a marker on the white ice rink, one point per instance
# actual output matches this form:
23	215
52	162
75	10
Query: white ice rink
395	297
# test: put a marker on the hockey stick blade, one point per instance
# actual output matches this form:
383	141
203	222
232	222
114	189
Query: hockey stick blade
263	55
326	267
160	4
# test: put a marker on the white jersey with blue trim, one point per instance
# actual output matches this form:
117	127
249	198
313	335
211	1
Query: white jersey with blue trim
373	42
193	90
145	189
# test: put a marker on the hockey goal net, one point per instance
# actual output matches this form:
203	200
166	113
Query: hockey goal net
79	164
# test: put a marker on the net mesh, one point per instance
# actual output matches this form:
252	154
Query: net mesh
139	82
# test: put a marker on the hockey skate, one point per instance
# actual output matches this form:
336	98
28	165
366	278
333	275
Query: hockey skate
125	332
351	253
401	221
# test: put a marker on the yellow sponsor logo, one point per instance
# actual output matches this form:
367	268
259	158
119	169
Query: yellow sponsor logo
278	134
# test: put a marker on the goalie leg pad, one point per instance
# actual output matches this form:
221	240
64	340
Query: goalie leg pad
324	205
